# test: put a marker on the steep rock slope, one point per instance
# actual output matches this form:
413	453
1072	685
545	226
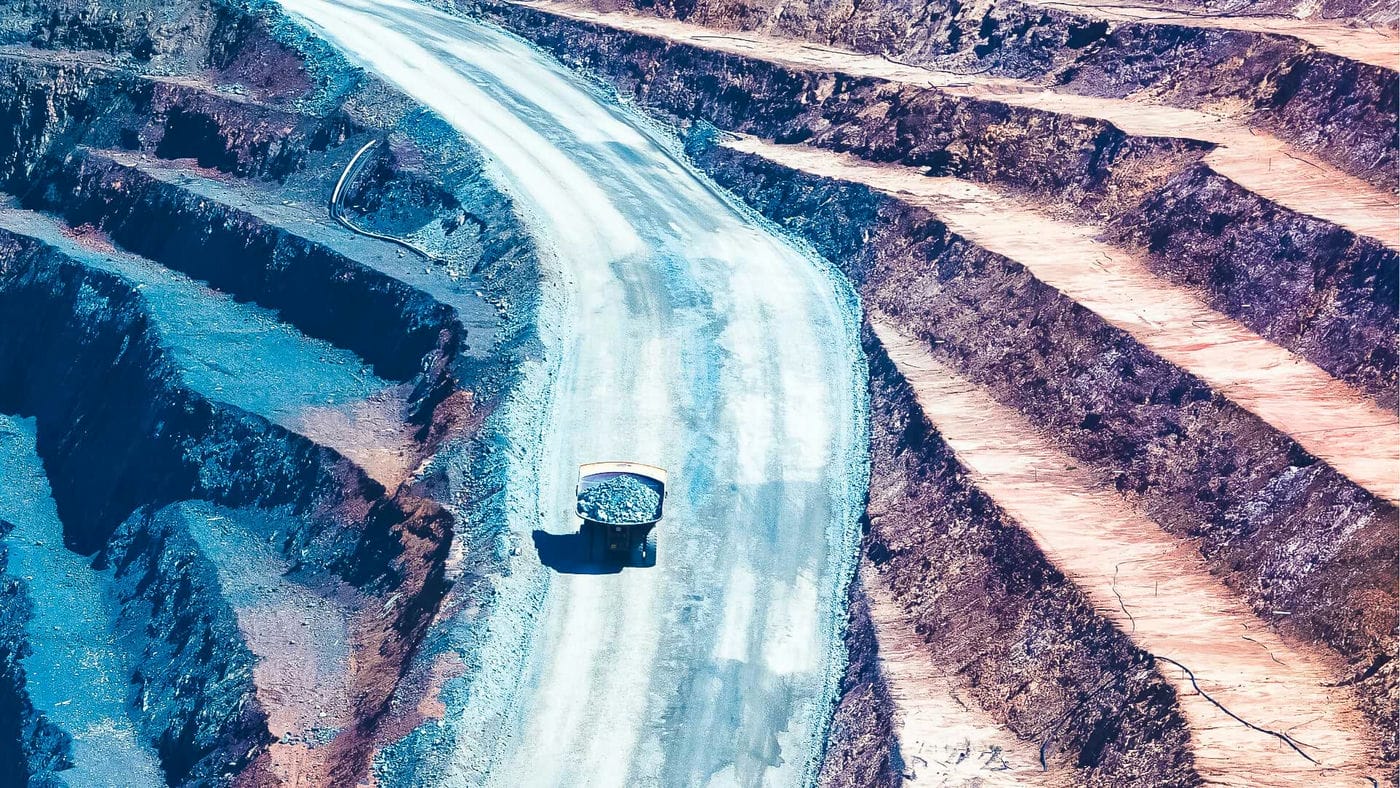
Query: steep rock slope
1161	184
32	748
1334	94
154	136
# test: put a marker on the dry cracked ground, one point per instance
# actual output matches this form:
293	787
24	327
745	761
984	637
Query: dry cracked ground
1128	281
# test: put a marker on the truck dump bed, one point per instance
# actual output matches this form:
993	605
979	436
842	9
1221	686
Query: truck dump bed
621	493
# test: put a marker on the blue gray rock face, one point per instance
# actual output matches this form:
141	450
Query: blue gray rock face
136	429
622	499
32	749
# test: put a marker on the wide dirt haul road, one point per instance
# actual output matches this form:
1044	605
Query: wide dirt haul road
679	332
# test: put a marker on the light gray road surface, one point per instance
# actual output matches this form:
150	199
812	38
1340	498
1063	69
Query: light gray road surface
683	333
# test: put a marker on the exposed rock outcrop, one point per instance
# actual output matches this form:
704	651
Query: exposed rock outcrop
193	674
33	751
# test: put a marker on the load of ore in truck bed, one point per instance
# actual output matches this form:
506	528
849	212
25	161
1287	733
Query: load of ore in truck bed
621	499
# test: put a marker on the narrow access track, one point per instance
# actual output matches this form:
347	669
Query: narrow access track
1158	590
1327	417
682	333
1251	158
1376	46
944	739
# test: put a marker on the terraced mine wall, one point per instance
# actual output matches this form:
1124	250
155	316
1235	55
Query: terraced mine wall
246	46
1080	163
1323	292
994	612
132	438
68	322
1339	309
250	100
49	105
164	34
403	332
56	101
395	326
407	333
1234	486
1364	11
64	322
1285	531
1343	110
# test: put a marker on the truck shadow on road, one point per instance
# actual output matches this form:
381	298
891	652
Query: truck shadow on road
568	554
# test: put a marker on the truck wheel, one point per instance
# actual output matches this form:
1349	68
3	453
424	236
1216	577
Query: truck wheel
644	554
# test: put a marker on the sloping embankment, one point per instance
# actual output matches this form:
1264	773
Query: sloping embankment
1339	105
1203	467
71	319
264	105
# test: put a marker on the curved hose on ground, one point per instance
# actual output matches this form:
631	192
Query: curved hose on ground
351	170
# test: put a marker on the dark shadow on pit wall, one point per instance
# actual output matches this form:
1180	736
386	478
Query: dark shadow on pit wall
568	553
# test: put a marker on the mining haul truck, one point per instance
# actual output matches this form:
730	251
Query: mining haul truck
620	504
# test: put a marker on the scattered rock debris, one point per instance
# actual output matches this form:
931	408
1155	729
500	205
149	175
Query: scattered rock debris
621	499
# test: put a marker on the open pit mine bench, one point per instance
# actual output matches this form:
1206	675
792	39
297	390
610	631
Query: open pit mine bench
620	504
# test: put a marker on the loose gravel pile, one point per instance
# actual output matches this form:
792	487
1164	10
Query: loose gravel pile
621	499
